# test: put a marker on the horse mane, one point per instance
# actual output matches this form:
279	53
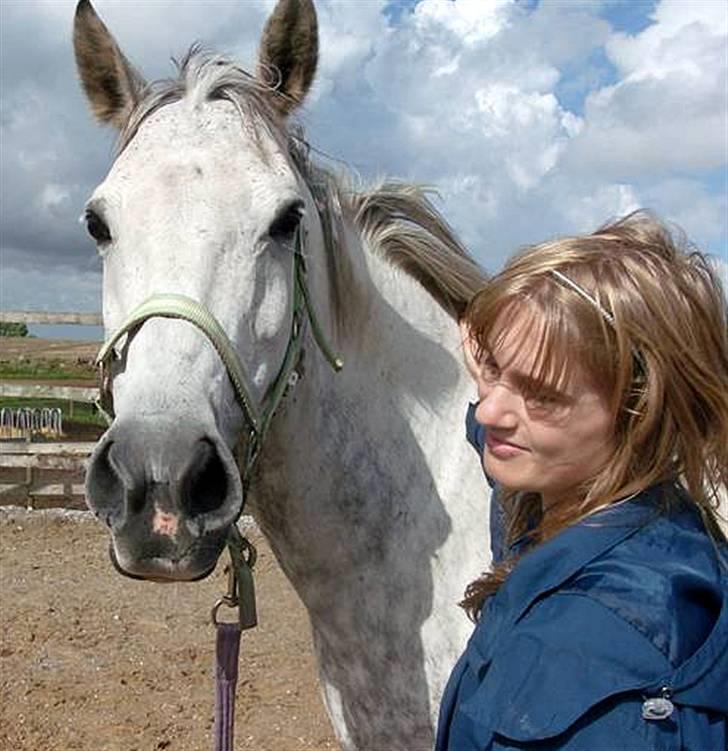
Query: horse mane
397	219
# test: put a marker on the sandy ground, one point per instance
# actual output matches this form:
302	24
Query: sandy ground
92	661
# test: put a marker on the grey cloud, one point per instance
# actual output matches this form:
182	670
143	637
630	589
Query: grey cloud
52	153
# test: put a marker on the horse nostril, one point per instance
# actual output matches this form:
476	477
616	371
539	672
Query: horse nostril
139	478
104	486
205	485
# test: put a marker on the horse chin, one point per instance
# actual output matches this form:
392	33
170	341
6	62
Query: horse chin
164	570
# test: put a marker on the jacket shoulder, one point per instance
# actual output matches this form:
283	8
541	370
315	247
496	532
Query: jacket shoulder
665	581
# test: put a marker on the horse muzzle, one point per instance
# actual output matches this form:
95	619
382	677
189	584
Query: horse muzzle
169	494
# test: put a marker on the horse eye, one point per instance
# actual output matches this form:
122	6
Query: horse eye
287	221
97	227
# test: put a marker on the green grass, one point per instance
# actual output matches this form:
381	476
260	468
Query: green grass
82	413
55	370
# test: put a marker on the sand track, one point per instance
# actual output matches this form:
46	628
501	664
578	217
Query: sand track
91	661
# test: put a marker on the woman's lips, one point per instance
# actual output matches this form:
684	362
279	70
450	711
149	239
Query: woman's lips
502	449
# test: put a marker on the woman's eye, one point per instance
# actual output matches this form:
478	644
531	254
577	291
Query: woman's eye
97	228
489	370
540	400
546	404
286	223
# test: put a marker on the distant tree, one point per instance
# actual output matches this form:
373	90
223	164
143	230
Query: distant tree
11	328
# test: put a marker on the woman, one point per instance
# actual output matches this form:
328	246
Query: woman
602	371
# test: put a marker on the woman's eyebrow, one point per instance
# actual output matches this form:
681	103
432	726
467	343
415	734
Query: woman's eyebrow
528	384
525	382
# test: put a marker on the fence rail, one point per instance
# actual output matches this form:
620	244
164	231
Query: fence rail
39	316
43	475
43	391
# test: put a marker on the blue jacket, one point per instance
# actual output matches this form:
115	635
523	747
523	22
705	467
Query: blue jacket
627	606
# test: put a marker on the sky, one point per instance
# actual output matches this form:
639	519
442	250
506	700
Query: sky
531	118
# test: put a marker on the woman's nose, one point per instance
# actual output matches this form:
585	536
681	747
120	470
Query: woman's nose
498	407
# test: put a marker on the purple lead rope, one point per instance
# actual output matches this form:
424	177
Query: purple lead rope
226	678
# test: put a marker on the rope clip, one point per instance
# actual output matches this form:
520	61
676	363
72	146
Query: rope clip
241	589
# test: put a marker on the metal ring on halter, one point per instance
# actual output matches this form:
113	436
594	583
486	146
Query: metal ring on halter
230	598
216	607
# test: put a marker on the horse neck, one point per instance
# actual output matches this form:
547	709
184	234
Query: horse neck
359	449
376	508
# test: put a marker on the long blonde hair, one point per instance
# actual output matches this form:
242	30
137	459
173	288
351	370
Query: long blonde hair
657	351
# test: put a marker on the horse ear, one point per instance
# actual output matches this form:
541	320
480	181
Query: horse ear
289	53
112	85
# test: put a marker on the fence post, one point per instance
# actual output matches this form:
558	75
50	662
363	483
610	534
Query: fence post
29	482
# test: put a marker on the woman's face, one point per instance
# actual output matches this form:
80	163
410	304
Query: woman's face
541	440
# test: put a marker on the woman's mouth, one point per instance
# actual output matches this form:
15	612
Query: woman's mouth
502	449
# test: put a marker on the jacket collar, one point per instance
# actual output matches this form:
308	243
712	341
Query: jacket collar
549	565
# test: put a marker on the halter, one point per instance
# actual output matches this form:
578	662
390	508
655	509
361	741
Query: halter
258	419
169	305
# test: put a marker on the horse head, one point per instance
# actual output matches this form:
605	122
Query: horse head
198	218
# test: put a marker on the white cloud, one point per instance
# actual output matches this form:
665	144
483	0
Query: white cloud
668	111
585	212
506	110
688	203
681	41
347	37
54	196
152	32
470	21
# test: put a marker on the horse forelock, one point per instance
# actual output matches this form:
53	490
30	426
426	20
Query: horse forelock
201	77
397	219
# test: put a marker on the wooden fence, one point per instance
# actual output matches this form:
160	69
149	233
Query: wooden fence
38	316
45	475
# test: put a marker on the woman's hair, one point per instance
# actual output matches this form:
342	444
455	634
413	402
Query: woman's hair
652	340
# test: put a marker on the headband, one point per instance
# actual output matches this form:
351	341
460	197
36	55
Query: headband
605	314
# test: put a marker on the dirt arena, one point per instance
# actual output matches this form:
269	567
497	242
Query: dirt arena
91	661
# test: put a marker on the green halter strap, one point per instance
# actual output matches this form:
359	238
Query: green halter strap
258	419
187	309
169	305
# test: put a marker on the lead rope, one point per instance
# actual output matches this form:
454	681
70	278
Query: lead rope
241	588
240	595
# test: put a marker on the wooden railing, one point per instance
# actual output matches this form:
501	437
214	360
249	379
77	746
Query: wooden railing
39	316
43	475
28	390
22	390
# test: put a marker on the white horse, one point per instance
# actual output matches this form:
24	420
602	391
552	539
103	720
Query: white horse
374	505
